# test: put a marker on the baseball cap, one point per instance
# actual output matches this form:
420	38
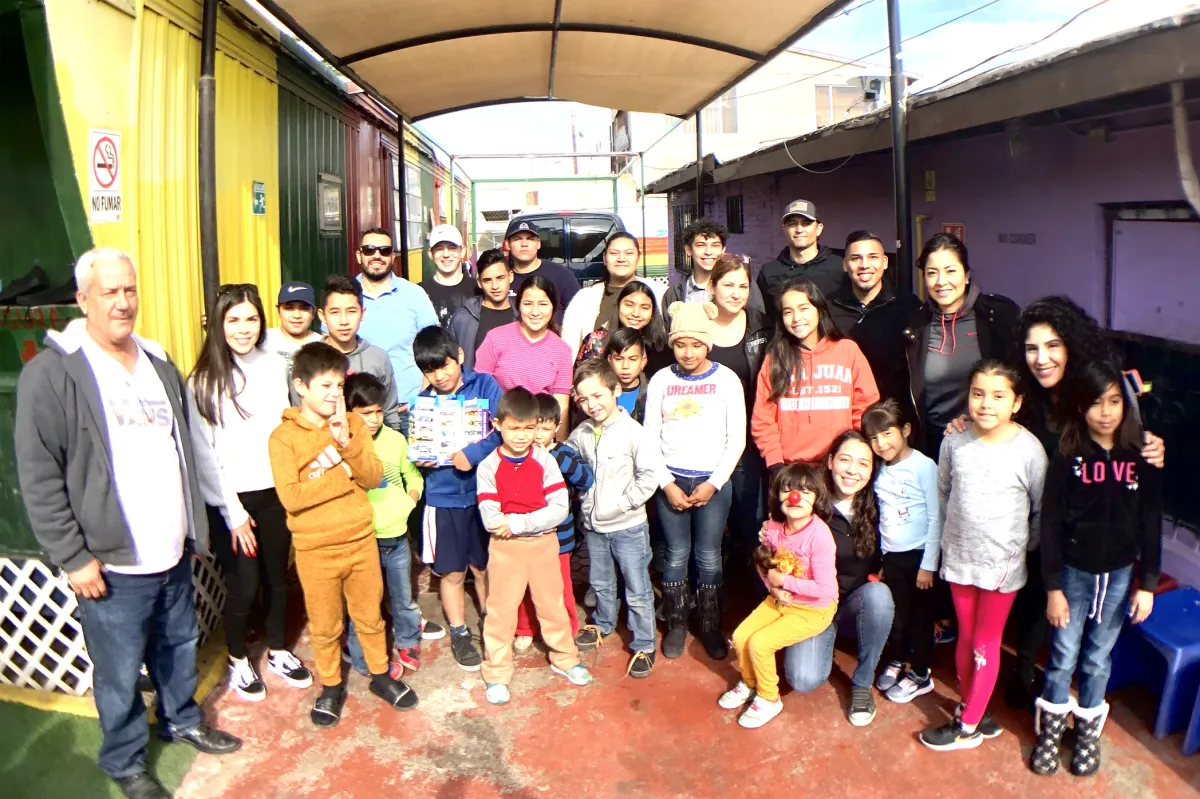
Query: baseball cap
295	291
517	226
801	208
445	234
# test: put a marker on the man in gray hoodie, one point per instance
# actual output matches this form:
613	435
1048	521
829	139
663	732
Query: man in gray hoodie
108	475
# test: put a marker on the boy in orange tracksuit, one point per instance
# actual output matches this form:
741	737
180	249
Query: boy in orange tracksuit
323	462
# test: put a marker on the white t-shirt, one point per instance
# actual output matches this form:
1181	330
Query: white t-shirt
146	460
277	341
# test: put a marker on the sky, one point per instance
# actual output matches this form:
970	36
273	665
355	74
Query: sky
861	30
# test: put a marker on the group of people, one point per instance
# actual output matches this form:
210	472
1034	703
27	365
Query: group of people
869	460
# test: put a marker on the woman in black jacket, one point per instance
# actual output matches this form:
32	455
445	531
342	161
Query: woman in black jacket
740	336
957	326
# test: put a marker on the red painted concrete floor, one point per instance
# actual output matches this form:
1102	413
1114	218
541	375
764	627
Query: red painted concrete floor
659	737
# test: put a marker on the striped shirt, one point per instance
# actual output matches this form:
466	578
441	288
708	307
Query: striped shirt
579	476
539	366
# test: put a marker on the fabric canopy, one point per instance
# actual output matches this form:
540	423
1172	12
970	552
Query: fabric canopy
428	57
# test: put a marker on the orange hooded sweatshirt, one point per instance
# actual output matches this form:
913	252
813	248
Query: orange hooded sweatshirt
323	487
832	388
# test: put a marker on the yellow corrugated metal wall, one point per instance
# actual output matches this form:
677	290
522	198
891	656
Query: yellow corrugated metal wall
172	297
247	151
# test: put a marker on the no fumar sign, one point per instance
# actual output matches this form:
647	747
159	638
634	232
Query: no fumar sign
104	176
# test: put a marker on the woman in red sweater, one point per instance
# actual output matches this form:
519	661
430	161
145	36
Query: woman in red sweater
814	382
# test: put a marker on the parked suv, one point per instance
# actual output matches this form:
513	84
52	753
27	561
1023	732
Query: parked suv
575	239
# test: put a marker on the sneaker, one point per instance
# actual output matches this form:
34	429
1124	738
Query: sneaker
944	632
759	713
289	667
988	726
432	631
522	643
890	676
465	654
909	688
951	736
497	693
589	637
409	657
736	696
576	675
641	665
862	706
245	680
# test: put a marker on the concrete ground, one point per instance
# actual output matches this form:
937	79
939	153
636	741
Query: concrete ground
659	737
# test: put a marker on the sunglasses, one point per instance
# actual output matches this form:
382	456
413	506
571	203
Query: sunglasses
371	249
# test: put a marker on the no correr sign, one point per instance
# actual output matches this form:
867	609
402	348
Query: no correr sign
104	176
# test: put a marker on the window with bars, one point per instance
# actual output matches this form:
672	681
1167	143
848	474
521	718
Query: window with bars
734	219
681	217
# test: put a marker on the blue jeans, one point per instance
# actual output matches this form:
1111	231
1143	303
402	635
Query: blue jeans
629	551
1087	643
147	619
806	665
699	528
396	559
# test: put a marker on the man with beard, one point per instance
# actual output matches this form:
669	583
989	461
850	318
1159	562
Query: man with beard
449	287
703	241
523	246
394	310
868	310
803	257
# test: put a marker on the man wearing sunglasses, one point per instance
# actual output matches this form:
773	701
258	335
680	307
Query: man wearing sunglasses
394	310
802	257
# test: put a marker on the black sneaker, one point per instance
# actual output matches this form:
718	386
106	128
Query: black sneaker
465	654
432	631
988	726
588	637
862	706
951	736
141	786
641	665
327	710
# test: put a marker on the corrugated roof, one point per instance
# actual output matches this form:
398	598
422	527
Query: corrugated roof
428	57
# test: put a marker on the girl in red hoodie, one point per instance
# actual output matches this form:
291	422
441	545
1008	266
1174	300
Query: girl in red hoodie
814	382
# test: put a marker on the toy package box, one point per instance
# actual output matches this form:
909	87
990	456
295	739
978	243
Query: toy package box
441	426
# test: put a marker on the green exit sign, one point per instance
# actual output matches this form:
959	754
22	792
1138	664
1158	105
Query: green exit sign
260	198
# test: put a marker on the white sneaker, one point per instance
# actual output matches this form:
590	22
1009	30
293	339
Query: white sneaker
576	675
289	667
760	712
736	696
522	643
244	680
497	693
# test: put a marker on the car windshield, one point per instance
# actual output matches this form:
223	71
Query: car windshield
588	234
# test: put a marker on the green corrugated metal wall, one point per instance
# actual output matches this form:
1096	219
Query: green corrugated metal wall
312	140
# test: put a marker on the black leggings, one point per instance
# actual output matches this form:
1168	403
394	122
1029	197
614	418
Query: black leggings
913	620
243	574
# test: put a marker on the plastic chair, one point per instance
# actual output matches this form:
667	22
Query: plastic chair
1191	739
1172	631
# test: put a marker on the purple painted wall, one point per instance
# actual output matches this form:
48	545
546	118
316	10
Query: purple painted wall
1052	186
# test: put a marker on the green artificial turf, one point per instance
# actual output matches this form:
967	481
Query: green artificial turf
52	755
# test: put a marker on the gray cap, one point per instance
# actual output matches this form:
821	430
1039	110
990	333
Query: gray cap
801	208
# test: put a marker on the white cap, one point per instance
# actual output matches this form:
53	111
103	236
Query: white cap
445	234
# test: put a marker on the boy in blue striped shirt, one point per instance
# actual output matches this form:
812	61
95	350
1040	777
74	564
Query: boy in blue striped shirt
578	476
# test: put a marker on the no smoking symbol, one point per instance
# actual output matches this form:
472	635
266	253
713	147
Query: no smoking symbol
104	162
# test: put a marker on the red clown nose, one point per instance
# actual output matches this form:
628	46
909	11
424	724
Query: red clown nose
794	498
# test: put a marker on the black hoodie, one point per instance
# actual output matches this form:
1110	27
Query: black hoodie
852	571
878	330
1100	513
825	270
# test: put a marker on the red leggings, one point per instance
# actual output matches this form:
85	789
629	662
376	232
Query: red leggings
527	620
981	617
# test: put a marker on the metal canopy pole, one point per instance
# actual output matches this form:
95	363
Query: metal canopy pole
699	170
904	237
642	194
401	181
210	269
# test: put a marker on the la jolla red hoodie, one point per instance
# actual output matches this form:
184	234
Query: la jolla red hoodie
828	394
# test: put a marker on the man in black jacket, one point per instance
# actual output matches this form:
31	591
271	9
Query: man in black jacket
803	257
868	310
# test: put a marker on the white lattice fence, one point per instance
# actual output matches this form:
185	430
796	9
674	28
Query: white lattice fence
41	640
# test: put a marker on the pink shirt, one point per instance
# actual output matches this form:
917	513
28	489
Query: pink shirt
541	366
813	546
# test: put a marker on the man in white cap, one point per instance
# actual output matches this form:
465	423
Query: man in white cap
803	257
448	289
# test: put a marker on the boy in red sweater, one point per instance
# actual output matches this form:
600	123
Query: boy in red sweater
522	500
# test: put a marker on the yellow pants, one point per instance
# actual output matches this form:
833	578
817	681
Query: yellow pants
770	628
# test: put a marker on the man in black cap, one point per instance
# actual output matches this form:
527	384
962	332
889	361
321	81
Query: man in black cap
803	257
523	245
